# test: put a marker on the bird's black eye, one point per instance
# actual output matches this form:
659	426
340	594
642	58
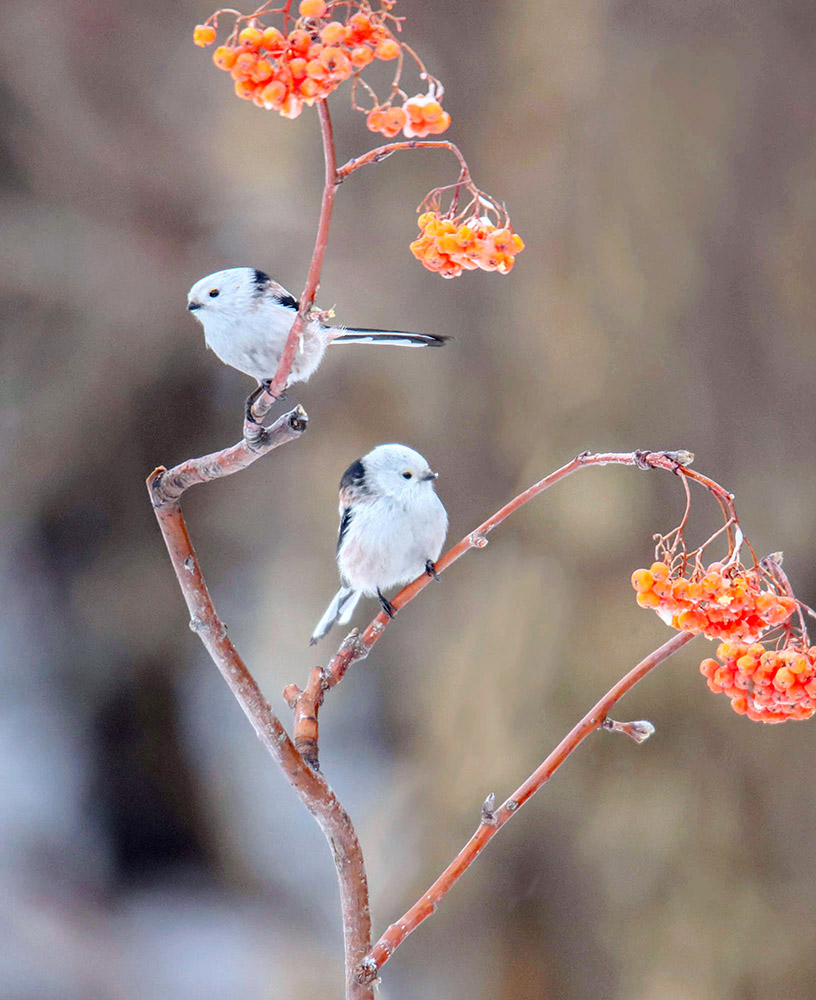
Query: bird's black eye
213	293
407	475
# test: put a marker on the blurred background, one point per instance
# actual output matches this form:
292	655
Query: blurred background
659	160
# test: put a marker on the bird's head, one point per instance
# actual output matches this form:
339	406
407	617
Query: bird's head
398	471
231	294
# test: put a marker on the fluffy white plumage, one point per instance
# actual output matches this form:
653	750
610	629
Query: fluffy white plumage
392	528
247	317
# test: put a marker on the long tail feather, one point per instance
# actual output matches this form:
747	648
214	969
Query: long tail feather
337	608
396	337
348	611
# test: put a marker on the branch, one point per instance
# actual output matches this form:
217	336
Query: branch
492	822
306	703
267	399
383	152
169	486
166	489
357	647
311	788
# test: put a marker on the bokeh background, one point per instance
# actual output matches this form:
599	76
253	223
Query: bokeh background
659	160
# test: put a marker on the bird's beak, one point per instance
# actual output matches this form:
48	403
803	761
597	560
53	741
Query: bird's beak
191	305
431	476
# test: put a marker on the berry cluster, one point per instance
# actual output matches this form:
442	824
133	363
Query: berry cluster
284	72
721	602
449	246
419	116
767	685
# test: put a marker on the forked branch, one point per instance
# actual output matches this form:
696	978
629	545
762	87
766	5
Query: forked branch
492	821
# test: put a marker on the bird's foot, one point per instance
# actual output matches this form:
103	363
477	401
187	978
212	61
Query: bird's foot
430	569
386	605
264	386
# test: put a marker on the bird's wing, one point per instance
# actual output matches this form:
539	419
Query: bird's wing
345	521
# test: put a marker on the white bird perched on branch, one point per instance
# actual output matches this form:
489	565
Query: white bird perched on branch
392	527
247	317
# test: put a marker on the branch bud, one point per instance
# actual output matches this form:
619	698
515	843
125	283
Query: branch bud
639	731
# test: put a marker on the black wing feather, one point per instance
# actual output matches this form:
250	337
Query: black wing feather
345	521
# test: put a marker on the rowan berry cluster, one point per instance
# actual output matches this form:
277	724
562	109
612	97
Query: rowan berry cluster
283	70
767	685
722	602
419	116
448	245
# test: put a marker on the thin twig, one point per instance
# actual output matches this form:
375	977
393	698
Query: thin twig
382	152
493	821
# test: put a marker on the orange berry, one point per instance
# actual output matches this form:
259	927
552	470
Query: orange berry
659	570
395	118
224	57
747	664
334	33
708	666
244	66
336	61
784	679
414	111
728	650
297	67
648	599
312	8
292	106
299	40
740	704
692	620
360	25
432	111
361	56
439	126
375	119
316	69
273	93
388	48
273	40
251	38
245	89
642	579
203	35
262	71
310	88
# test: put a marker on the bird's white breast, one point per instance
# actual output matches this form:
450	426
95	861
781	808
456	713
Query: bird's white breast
253	340
388	543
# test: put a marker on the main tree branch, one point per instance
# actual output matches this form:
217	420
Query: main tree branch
492	821
312	789
266	400
166	489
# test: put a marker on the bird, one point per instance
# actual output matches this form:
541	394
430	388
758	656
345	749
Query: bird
247	317
392	528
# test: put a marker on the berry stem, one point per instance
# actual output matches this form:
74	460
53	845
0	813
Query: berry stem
381	152
490	825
